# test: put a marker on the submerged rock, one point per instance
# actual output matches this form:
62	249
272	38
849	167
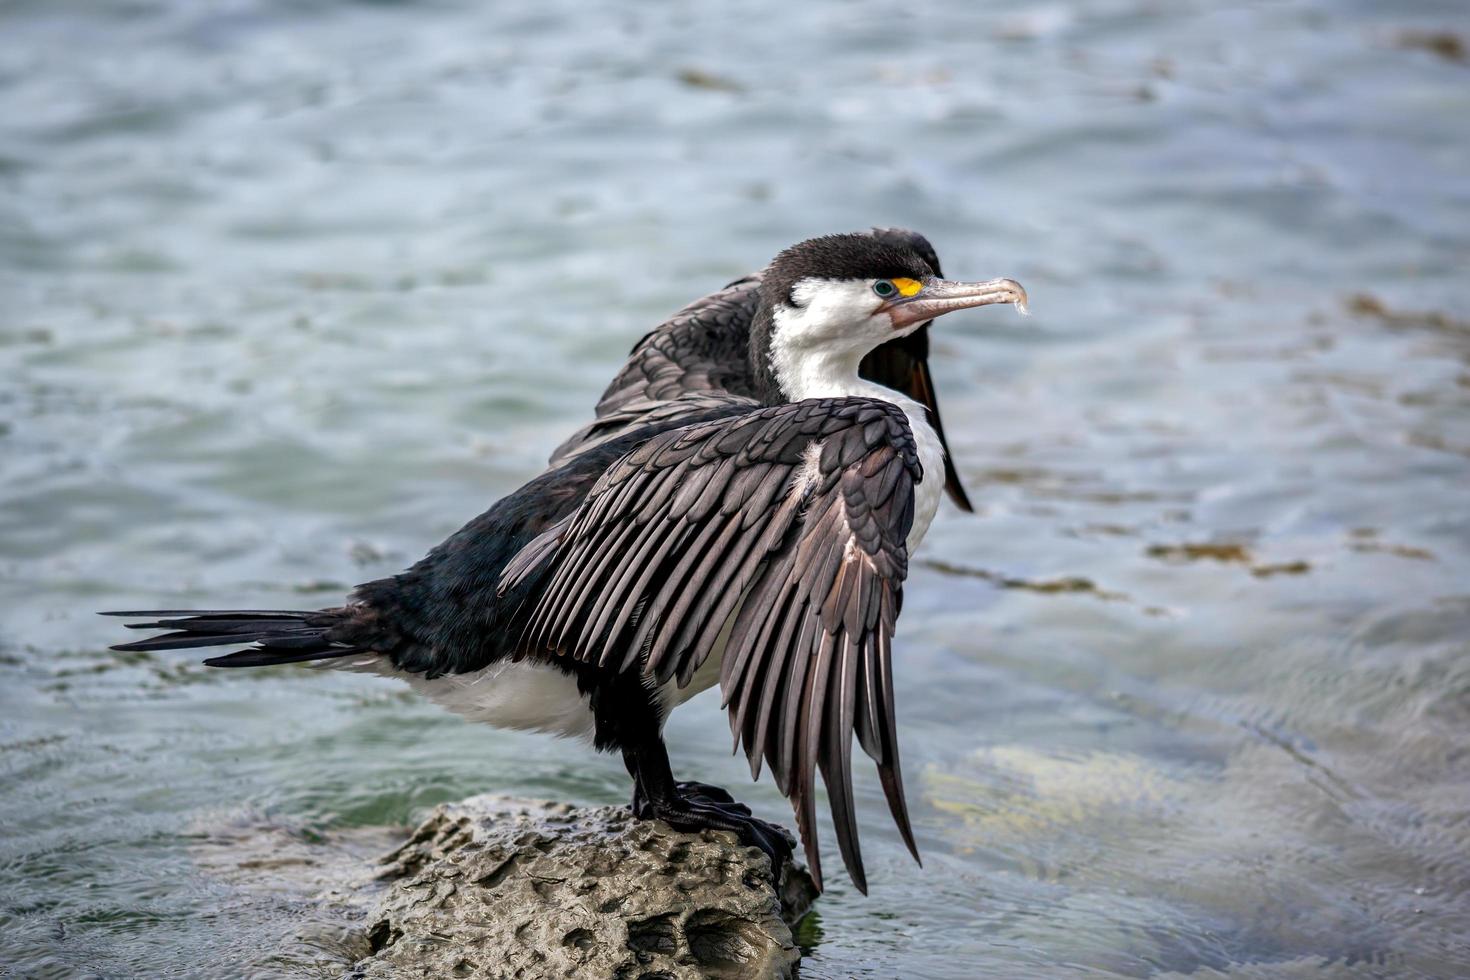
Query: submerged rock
494	888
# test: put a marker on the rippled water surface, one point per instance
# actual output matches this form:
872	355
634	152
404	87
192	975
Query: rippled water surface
288	291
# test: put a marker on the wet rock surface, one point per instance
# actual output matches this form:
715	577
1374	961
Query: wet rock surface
493	888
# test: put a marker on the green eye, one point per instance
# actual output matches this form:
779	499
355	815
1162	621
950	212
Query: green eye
884	288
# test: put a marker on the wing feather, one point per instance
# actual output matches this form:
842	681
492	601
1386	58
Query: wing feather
682	588
836	759
747	690
710	529
807	736
762	741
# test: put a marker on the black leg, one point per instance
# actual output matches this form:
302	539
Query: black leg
639	804
627	717
696	806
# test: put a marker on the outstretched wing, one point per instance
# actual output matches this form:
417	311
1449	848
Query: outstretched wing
786	526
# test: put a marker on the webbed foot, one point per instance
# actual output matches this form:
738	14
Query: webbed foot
694	792
705	812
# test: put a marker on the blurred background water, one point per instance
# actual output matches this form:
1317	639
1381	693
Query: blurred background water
290	290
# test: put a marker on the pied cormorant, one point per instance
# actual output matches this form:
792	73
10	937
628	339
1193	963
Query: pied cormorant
751	527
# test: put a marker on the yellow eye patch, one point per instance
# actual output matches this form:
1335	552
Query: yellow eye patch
907	287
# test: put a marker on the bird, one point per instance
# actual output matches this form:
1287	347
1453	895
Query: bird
751	530
705	346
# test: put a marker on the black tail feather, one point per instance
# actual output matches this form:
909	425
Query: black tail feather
280	636
205	613
188	639
266	658
220	625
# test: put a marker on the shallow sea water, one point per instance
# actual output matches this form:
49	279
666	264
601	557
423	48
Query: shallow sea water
289	291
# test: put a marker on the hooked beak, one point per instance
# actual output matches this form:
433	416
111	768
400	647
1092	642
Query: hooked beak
941	296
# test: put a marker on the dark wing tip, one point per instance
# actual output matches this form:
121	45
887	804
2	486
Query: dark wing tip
892	780
814	867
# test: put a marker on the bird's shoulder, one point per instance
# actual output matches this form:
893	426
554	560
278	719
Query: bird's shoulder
846	426
702	347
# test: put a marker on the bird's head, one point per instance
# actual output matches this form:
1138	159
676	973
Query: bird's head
828	301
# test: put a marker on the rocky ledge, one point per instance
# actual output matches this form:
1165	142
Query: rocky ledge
494	888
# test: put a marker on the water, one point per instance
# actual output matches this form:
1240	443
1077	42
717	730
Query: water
289	291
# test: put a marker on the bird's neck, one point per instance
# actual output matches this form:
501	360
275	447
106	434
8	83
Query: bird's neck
786	372
820	374
767	385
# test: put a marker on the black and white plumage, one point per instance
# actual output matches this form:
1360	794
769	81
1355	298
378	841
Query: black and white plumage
704	349
742	522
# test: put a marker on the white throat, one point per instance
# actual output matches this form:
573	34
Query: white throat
818	343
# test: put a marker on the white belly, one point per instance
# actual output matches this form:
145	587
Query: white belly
529	696
525	696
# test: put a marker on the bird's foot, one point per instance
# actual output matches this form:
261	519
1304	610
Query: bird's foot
694	792
705	793
711	808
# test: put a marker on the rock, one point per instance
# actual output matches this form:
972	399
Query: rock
490	887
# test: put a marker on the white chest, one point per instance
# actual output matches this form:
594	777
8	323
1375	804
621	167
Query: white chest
931	456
